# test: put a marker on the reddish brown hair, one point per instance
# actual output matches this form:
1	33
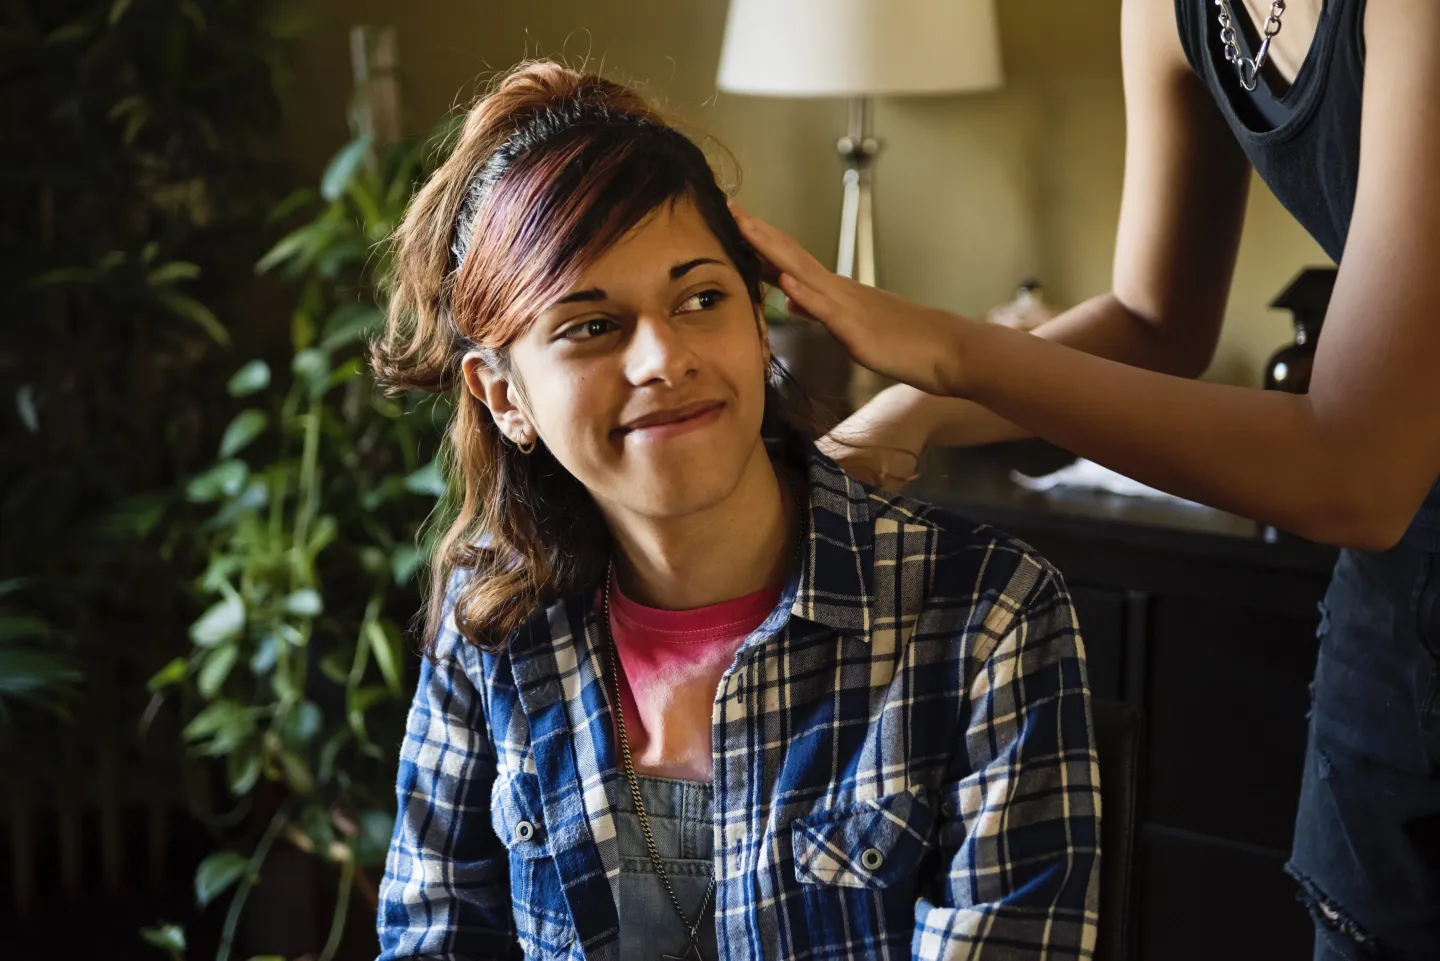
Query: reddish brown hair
549	170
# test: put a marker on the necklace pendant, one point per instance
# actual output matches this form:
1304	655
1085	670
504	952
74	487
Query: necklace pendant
692	953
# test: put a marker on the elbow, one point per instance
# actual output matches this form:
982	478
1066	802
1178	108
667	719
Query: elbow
1365	521
1375	535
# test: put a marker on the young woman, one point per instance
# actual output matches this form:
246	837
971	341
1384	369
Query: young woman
1337	106
690	690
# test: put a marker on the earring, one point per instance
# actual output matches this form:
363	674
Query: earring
526	449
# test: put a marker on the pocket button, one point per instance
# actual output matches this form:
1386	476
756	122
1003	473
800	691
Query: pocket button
871	859
524	830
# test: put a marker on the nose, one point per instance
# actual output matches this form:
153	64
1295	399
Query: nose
658	353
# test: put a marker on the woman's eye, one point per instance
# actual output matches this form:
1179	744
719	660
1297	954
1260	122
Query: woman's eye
705	300
587	329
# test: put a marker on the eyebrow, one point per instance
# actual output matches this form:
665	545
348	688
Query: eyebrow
676	272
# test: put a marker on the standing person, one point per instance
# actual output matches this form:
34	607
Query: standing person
690	690
1337	104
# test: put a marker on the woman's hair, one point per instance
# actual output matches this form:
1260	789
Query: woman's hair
550	169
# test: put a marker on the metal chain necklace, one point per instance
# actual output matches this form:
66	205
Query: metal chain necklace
612	659
1249	69
692	948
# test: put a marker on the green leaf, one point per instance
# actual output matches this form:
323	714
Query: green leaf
265	655
124	105
225	478
374	840
403	563
229	719
172	272
64	275
293	202
247	425
168	676
135	517
76	30
187	307
26	673
305	602
360	701
252	378
342	168
217	668
322	535
222	622
312	366
195	15
255	496
349	324
117	10
167	937
297	773
384	492
244	773
13	627
302	724
335	666
385	645
216	874
316	823
427	481
293	244
345	373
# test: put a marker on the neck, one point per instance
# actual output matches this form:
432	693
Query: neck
744	544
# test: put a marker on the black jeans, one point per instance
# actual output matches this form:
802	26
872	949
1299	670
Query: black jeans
1367	837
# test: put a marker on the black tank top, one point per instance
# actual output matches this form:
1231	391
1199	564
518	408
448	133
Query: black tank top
1305	142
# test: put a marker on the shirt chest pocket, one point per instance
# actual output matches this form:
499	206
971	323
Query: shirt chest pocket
859	868
542	917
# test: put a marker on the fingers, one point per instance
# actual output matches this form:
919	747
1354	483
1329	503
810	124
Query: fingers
806	301
779	250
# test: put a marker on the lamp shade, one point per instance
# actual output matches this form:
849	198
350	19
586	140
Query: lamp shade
834	48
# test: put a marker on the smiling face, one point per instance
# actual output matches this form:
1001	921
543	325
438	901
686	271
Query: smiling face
646	381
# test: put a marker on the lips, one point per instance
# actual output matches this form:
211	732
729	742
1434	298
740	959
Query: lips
672	416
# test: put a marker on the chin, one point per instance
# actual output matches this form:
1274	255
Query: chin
678	494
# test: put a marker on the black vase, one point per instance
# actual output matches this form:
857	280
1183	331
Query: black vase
1307	298
1289	367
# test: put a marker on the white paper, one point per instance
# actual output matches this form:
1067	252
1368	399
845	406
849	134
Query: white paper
1088	475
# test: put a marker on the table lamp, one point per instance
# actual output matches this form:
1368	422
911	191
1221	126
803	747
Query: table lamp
859	49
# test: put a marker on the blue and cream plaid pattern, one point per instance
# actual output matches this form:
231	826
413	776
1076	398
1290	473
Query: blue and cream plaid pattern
904	765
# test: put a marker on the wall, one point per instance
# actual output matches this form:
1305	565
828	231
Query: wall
972	193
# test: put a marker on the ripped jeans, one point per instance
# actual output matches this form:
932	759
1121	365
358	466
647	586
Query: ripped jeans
1367	835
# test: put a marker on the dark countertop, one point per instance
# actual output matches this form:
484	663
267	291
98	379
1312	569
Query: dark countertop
975	483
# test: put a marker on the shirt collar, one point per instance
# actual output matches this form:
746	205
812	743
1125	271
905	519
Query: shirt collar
834	586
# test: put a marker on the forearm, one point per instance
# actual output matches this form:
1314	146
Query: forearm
1261	454
1101	326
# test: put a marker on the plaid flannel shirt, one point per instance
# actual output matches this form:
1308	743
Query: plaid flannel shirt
903	765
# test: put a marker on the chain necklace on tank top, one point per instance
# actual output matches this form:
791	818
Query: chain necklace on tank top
1249	69
612	657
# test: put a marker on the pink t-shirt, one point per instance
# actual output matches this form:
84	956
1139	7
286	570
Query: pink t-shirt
670	668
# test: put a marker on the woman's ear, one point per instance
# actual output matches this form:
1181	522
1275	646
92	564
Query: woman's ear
496	391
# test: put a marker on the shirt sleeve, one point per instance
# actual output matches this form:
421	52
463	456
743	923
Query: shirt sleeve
446	890
1020	836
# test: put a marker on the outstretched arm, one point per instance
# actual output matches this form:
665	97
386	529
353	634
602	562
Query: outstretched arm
1348	464
1180	217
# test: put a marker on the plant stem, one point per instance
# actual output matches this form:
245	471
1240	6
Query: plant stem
248	879
342	908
